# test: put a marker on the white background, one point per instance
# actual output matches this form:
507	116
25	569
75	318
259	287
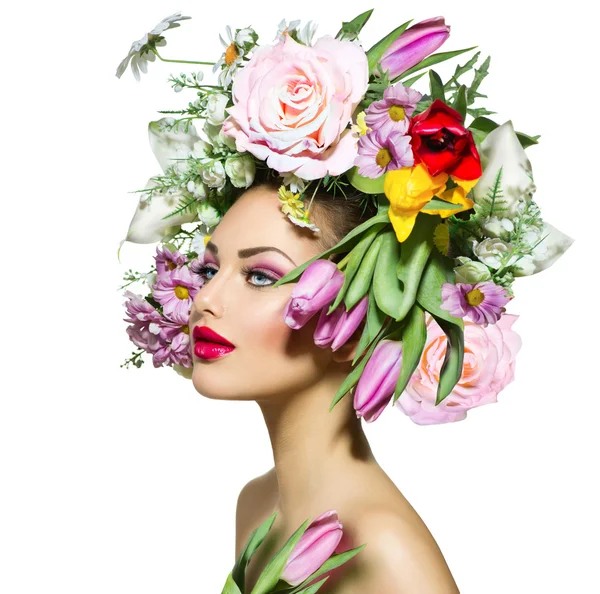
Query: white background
125	481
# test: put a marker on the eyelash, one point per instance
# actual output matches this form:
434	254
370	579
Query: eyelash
245	270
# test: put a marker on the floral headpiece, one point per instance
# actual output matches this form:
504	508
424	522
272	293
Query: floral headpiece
429	274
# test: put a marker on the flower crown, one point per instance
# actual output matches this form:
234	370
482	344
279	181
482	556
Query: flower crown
429	275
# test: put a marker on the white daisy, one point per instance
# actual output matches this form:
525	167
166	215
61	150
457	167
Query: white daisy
141	52
232	59
303	223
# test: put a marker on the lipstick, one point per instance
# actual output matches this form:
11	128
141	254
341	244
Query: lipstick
209	344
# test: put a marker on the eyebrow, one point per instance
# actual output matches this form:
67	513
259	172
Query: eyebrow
246	253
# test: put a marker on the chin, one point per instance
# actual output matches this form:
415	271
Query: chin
212	382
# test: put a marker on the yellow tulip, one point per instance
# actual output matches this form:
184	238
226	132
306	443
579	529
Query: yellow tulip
409	189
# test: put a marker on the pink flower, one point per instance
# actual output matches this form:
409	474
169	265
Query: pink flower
481	303
315	546
378	153
392	113
377	383
166	260
337	328
292	104
175	293
488	367
317	288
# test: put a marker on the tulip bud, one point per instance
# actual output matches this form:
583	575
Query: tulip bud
315	546
349	322
318	286
378	380
415	44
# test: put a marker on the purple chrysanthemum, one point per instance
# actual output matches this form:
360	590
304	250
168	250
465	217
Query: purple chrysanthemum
481	303
392	113
166	260
378	153
175	293
175	352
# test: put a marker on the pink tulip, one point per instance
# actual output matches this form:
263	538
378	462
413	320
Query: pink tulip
377	383
337	328
318	287
316	545
415	44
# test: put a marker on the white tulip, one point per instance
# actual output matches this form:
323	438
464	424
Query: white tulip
168	146
502	149
208	215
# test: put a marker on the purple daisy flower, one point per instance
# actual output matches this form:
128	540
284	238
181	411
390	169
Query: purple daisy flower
378	153
175	352
481	303
392	113
166	260
175	292
141	315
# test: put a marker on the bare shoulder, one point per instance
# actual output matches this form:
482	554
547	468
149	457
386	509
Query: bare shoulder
401	557
255	504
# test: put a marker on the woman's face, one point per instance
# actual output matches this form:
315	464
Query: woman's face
238	302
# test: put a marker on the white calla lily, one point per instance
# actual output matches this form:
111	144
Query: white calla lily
501	149
168	146
148	225
546	252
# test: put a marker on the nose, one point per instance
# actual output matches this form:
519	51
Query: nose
209	298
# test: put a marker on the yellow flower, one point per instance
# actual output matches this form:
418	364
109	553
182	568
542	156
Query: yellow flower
360	128
206	239
409	189
441	238
457	195
291	203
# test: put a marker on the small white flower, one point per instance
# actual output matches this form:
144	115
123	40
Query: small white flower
285	28
223	144
244	36
302	223
470	271
231	60
150	279
208	215
295	183
495	227
493	252
241	169
198	243
141	51
201	150
213	175
307	33
215	108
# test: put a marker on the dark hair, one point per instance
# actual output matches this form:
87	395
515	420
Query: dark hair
335	215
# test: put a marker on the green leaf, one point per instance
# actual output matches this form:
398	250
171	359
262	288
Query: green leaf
436	86
526	140
354	27
460	101
356	256
256	539
480	74
314	588
272	572
374	321
413	342
411	81
346	244
453	361
365	184
361	282
377	51
230	586
331	563
460	70
485	126
429	294
414	252
431	60
439	204
387	287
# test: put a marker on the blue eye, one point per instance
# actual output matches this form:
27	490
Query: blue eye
204	270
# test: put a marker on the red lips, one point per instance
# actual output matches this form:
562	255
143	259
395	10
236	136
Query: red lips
205	334
209	344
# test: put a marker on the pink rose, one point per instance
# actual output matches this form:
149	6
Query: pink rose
293	103
488	367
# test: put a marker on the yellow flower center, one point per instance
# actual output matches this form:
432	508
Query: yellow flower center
185	329
206	239
231	54
397	113
383	158
171	265
474	297
182	292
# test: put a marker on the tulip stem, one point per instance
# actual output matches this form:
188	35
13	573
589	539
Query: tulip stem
342	263
181	61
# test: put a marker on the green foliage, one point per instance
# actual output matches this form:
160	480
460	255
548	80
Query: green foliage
492	204
351	30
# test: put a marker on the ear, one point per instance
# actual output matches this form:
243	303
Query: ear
347	351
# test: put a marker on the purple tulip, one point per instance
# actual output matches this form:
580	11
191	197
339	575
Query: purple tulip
337	328
415	44
315	546
377	383
318	287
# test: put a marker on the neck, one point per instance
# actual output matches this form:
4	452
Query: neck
311	445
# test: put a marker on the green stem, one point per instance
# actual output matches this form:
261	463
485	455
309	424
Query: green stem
342	263
181	61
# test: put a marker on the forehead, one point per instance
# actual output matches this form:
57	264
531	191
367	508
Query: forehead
256	219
